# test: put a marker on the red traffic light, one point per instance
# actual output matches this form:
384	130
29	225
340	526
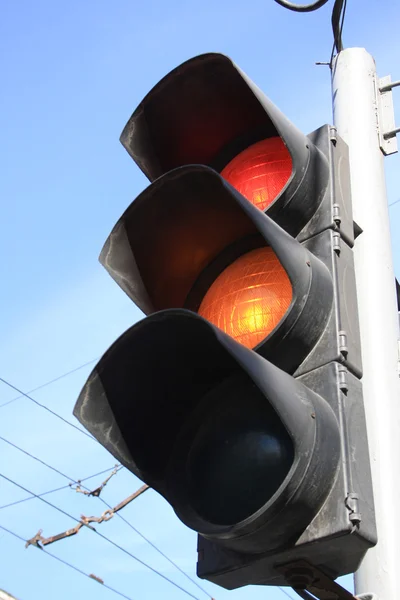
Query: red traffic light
261	171
208	112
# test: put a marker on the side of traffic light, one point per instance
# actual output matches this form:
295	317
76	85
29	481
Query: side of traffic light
238	398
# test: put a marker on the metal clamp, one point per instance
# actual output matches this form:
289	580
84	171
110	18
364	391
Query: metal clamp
308	582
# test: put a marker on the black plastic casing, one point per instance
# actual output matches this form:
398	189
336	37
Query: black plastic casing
339	535
144	399
149	423
185	228
206	111
317	341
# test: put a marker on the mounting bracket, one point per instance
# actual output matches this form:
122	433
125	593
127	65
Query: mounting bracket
309	582
386	120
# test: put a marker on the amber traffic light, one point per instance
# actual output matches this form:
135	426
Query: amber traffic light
249	298
238	397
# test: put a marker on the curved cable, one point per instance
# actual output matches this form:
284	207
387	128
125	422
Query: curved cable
338	13
302	7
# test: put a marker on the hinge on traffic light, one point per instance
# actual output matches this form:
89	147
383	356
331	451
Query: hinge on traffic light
333	134
343	383
343	346
336	214
336	242
309	582
351	503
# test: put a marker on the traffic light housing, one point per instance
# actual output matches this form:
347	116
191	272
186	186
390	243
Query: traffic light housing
239	398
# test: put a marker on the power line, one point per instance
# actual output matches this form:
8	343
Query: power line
43	385
121	548
158	550
64	562
33	496
172	562
48	409
42	462
106	504
63	487
393	203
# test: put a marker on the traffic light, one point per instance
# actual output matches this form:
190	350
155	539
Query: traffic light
238	398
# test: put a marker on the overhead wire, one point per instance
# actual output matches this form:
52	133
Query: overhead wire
33	496
64	562
23	394
105	503
102	500
63	487
158	550
36	458
43	385
82	431
118	546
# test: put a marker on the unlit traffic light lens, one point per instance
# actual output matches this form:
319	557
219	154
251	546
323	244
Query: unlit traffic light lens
261	171
239	456
249	298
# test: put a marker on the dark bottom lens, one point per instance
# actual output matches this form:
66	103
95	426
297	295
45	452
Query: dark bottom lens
238	459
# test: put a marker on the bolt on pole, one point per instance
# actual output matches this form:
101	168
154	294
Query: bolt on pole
355	111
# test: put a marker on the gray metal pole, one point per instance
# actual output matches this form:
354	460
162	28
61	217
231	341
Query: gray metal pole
354	83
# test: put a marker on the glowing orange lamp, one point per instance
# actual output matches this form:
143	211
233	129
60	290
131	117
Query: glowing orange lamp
261	171
249	298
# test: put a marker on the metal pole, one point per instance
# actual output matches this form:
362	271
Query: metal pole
354	83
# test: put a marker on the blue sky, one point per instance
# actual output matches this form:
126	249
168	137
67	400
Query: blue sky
71	75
